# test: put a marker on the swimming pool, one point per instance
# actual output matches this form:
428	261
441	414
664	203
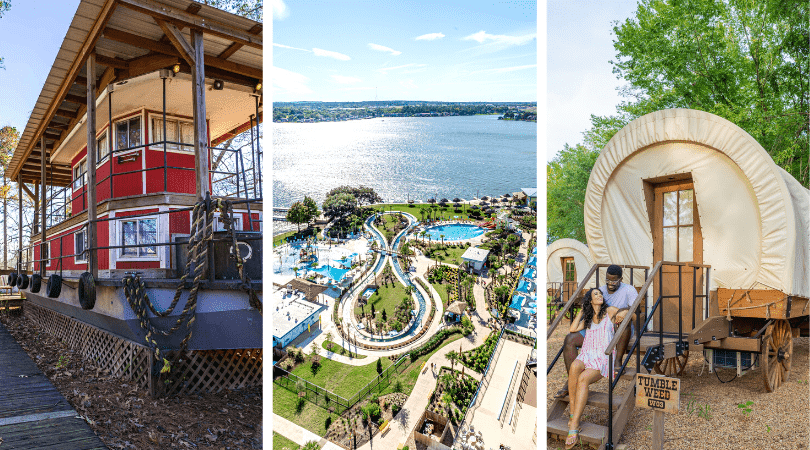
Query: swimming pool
367	293
454	232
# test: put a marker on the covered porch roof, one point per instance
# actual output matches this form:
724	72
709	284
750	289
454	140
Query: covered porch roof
129	38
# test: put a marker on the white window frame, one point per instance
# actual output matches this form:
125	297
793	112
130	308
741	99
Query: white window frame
103	138
178	122
127	120
76	176
138	256
78	258
237	218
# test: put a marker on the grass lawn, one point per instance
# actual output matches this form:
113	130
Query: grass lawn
411	372
446	213
282	443
342	379
450	255
337	348
385	298
311	416
442	290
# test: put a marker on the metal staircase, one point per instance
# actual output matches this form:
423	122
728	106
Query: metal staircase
620	405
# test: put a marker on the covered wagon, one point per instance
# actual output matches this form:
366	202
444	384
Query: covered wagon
567	263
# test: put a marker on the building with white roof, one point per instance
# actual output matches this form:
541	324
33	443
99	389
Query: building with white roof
293	315
476	257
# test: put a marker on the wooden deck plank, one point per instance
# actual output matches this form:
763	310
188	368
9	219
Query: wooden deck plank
28	392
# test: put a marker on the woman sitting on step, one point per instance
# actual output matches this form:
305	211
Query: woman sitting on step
592	363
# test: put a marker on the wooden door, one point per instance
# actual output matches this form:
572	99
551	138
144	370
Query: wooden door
677	237
569	271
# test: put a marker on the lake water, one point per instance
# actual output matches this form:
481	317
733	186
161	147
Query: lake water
404	157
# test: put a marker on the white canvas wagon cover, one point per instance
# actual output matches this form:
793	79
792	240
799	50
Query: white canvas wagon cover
568	248
754	216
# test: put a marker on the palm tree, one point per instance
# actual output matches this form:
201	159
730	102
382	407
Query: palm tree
452	355
442	236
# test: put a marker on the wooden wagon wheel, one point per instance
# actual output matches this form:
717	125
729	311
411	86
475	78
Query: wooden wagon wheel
672	367
776	350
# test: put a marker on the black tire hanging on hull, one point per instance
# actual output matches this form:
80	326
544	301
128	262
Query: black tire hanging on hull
87	291
36	283
54	287
12	279
22	281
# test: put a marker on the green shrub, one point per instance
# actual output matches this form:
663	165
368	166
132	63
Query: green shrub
395	409
372	411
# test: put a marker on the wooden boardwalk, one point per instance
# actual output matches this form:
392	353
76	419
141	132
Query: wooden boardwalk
33	414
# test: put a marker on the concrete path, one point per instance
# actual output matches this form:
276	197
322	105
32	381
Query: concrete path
300	435
404	422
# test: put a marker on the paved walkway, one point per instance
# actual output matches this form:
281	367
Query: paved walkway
300	435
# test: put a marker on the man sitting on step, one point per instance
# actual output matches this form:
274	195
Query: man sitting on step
617	294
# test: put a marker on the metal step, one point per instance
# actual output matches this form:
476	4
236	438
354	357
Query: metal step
591	433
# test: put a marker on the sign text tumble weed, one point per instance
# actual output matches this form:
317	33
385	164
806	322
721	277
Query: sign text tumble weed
658	393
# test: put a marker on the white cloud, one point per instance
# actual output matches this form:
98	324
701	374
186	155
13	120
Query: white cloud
328	54
429	37
506	69
290	82
385	70
381	48
292	48
345	80
482	36
408	84
280	10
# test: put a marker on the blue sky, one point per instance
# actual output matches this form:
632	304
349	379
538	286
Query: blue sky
404	50
30	36
580	78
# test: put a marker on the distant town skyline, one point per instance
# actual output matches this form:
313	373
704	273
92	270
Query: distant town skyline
452	51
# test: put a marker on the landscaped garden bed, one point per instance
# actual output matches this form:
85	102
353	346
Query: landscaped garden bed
477	358
452	395
364	419
388	308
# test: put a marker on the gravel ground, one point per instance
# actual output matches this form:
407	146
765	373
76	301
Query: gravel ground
778	420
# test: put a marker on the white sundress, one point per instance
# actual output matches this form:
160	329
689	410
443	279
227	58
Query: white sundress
596	341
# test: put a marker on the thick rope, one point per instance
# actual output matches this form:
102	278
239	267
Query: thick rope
226	218
202	229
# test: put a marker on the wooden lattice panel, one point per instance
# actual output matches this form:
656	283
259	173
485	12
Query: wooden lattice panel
213	371
199	370
123	358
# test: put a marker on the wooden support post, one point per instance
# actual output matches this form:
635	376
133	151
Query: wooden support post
658	430
90	189
200	130
19	224
42	263
36	207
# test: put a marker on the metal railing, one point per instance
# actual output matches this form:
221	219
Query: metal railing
32	263
641	329
476	401
326	398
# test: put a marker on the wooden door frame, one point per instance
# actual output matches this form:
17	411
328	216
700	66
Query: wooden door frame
661	185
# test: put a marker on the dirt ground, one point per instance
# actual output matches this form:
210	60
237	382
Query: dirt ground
127	418
709	416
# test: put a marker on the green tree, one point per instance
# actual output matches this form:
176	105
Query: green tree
311	206
298	214
566	181
5	5
742	60
339	205
252	9
379	366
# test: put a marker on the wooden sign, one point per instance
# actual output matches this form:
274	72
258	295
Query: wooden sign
658	393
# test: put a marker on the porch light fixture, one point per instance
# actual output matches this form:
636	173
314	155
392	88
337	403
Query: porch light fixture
176	68
219	85
257	88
